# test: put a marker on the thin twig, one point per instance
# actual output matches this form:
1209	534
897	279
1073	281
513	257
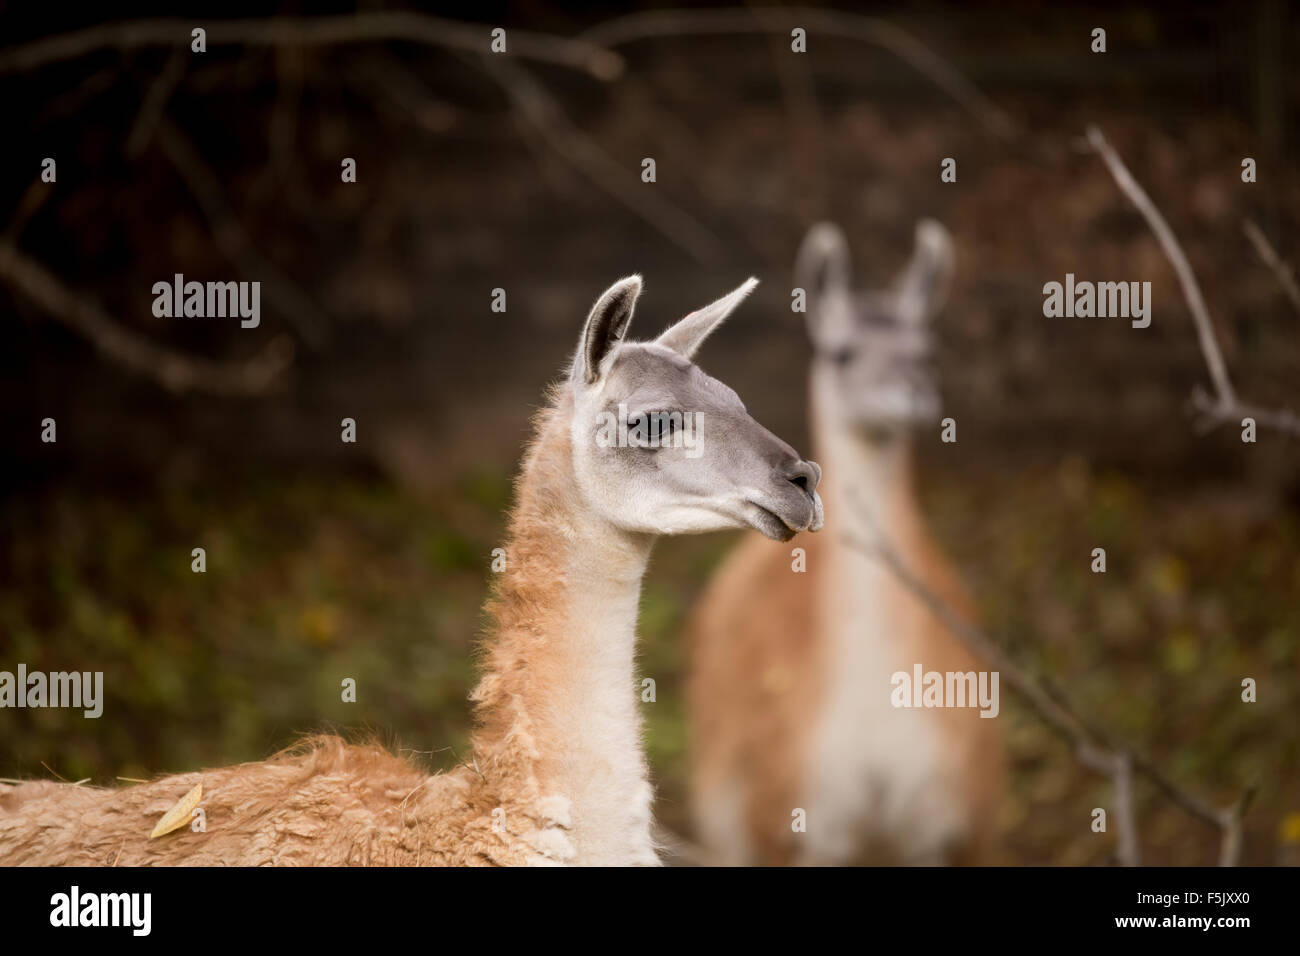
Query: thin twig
1091	747
175	372
155	101
1285	274
77	99
55	772
396	26
1223	406
881	33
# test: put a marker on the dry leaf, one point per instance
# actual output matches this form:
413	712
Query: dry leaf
179	815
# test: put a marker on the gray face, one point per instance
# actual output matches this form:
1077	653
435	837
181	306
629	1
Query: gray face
662	447
881	366
874	350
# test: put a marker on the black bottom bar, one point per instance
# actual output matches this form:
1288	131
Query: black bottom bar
928	905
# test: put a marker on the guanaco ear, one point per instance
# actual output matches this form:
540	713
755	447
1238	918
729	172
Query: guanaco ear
822	264
688	334
604	331
923	286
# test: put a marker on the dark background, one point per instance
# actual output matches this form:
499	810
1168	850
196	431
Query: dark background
371	559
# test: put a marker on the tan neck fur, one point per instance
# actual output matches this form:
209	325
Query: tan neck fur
864	472
558	684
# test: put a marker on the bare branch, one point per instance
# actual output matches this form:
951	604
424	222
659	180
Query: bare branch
34	197
289	68
233	241
807	151
877	32
1214	413
1058	715
1119	767
1223	406
175	372
1230	850
1285	274
77	99
536	106
1090	746
1129	852
577	54
1192	805
392	78
1169	243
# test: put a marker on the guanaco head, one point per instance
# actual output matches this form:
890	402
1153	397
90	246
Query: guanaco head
874	350
661	447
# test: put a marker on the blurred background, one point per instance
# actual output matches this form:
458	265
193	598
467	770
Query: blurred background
371	559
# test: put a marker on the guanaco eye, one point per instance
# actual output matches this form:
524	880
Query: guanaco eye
655	427
666	422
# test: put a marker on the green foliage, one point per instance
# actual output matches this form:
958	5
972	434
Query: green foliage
311	581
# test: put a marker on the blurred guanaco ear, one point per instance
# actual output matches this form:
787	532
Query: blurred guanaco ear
923	286
822	265
823	270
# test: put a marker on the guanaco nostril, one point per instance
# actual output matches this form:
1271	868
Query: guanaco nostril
805	474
